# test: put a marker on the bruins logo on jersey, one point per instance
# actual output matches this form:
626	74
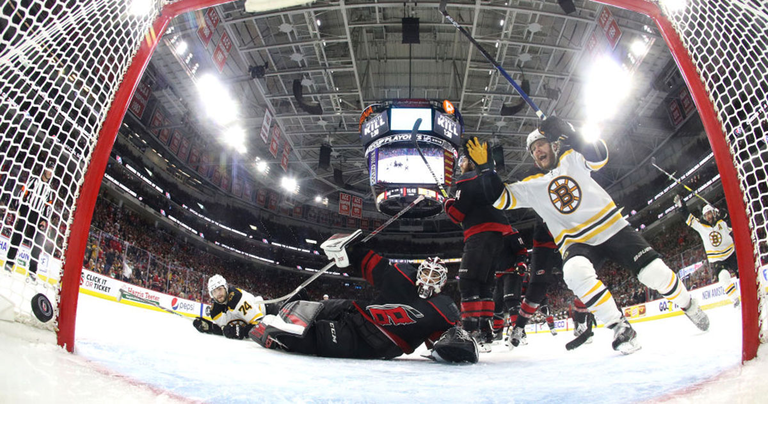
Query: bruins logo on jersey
565	194
715	238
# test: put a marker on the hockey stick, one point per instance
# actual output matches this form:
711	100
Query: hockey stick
584	337
327	267
131	297
539	113
653	162
415	142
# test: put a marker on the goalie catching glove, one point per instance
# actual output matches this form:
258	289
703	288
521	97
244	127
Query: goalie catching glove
336	247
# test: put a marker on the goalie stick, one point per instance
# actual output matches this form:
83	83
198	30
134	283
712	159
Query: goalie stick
328	266
526	98
653	162
415	141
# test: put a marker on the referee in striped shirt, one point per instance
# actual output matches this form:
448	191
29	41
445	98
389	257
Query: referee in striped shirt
36	203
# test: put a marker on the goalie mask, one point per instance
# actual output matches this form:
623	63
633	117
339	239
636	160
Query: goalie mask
215	282
431	277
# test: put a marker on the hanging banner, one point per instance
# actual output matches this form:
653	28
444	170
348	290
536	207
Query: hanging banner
165	132
175	142
345	202
356	210
286	153
158	118
275	144
265	125
221	52
184	149
140	98
610	27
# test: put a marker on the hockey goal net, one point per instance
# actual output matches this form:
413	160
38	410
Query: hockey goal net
68	70
719	46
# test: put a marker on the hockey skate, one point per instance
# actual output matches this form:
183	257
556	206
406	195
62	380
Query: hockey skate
484	341
696	315
553	331
516	338
736	303
624	337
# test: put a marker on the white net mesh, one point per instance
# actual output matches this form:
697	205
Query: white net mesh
727	41
60	66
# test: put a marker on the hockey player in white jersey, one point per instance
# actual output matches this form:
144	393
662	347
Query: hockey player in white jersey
587	226
234	311
718	245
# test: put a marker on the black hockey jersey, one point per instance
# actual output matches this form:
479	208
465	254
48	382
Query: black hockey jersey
397	312
513	252
472	208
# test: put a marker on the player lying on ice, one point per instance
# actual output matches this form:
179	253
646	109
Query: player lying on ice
586	225
408	310
234	311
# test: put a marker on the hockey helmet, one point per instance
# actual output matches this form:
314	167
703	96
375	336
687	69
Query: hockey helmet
537	135
456	346
430	277
214	282
708	208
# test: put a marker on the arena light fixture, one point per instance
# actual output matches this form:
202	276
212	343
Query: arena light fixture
290	184
217	101
234	137
262	167
141	7
181	47
590	132
608	86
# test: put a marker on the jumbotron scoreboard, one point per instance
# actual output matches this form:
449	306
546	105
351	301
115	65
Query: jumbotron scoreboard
397	171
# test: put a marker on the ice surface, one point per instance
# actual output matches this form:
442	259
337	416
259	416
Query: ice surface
130	355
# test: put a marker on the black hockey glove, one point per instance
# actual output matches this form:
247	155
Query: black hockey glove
204	326
556	129
236	331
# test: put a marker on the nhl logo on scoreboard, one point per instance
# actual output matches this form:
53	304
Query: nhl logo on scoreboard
565	194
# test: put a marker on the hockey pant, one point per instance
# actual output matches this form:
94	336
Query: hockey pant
632	252
476	280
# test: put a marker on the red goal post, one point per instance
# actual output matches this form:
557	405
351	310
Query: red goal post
709	39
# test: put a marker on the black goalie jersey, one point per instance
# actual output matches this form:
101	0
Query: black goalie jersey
398	313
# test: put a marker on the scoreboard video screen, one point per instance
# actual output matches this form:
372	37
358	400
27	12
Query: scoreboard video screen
401	169
404	165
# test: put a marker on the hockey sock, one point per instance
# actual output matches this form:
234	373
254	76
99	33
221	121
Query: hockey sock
724	277
579	274
475	310
659	277
527	310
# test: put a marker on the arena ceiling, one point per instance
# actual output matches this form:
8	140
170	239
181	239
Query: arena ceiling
348	54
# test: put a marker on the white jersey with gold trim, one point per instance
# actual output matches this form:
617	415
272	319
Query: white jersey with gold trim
574	206
241	306
717	238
